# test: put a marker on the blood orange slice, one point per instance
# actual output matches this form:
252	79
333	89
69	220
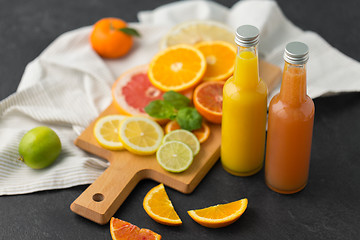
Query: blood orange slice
132	91
121	230
208	98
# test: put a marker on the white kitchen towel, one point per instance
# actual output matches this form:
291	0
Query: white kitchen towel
68	84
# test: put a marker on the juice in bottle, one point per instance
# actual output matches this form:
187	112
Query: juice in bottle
244	109
290	126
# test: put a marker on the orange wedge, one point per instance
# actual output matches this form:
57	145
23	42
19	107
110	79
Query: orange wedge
208	98
121	230
220	58
159	207
177	68
202	133
220	215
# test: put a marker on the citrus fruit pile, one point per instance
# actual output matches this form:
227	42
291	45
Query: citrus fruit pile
159	207
195	59
143	136
182	67
191	53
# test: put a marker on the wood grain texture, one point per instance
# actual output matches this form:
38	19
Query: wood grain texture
102	198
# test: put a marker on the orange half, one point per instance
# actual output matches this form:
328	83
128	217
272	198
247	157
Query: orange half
159	207
220	215
177	68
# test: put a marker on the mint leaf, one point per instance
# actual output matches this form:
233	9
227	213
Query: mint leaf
176	99
130	31
189	119
161	109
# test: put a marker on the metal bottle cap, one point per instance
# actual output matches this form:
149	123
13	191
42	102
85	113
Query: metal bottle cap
247	36
296	53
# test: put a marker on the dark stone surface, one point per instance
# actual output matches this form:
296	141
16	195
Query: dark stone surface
328	208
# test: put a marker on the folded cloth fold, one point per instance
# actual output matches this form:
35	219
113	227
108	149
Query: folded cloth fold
68	84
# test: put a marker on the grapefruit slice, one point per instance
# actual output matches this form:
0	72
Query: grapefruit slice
132	91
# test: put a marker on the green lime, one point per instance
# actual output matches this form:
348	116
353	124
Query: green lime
174	156
39	147
184	136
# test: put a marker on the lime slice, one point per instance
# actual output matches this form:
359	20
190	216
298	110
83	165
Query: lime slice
184	136
106	132
174	156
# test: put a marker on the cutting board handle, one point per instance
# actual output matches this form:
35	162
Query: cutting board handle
103	198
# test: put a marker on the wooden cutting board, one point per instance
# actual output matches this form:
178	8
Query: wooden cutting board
103	197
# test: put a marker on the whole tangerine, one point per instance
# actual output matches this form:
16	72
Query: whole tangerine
111	38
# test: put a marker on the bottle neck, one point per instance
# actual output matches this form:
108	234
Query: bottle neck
246	74
293	86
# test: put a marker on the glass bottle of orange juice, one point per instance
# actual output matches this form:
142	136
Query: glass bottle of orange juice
244	109
290	126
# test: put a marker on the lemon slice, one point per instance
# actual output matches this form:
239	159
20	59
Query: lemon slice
106	132
186	137
140	135
193	32
174	156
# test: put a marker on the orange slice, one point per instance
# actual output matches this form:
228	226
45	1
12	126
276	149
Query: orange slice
177	68
220	215
220	58
208	98
121	230
202	133
159	207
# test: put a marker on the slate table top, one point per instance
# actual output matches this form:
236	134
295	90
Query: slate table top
328	208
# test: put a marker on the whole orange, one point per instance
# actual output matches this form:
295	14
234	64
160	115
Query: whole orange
108	38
